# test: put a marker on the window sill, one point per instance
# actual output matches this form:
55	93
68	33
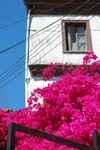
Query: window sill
77	51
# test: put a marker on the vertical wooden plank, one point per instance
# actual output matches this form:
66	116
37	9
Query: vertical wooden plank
96	140
11	136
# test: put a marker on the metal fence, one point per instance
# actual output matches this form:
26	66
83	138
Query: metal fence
13	127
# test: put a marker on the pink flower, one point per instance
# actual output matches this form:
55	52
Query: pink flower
71	108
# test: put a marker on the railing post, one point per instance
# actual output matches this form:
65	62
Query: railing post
96	140
11	136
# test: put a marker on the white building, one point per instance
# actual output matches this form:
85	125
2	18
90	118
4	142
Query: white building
59	31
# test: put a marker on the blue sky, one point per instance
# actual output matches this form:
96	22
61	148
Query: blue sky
12	94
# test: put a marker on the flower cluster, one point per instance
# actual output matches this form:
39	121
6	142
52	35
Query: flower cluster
48	73
71	109
52	70
89	56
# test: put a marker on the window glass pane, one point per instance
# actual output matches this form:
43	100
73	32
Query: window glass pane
81	38
71	33
76	37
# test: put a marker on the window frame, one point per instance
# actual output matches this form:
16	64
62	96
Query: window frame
88	36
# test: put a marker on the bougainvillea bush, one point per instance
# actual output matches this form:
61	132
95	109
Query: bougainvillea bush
71	108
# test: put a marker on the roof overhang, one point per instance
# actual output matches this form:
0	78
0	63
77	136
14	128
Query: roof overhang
60	7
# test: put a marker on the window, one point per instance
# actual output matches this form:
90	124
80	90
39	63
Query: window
76	36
